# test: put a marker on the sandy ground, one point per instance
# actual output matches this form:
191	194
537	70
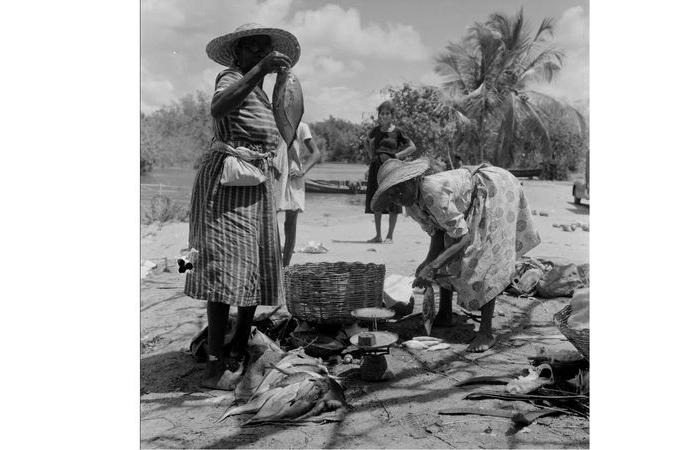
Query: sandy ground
175	413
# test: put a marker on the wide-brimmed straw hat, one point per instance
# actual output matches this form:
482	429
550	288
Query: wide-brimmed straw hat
221	49
394	172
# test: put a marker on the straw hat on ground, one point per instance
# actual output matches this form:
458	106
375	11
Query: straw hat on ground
394	172
221	49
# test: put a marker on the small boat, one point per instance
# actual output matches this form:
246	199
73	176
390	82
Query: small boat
335	186
526	173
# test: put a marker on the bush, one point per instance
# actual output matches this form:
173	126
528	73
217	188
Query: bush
163	209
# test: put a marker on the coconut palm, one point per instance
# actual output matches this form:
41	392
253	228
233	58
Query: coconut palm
488	76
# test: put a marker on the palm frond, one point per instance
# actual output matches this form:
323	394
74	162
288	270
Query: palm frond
449	67
513	31
547	26
501	24
486	46
579	120
544	65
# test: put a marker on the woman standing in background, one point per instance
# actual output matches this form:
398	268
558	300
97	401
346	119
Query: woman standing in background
384	143
291	194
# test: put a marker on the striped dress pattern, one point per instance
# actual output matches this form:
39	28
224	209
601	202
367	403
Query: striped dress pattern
234	228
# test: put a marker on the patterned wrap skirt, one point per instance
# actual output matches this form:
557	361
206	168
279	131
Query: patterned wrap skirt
501	230
234	228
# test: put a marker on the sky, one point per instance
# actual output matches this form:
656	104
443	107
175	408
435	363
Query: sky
350	49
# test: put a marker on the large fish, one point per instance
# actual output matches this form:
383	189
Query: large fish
287	105
256	372
300	400
292	362
428	309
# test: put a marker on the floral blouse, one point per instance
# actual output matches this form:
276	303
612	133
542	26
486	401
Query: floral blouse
443	200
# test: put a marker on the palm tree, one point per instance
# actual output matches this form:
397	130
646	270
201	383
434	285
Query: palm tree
488	74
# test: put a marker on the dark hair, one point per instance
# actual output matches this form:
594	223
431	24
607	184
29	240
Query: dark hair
388	105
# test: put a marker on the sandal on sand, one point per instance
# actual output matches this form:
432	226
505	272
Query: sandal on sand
541	375
227	381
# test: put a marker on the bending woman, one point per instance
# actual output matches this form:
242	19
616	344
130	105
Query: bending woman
234	228
479	215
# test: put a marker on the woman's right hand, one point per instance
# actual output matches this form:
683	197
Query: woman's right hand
274	62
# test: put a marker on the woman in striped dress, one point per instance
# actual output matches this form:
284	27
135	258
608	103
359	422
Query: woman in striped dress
234	228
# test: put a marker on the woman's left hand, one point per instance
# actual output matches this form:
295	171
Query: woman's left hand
427	272
421	283
424	275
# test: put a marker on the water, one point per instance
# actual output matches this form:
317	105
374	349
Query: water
176	183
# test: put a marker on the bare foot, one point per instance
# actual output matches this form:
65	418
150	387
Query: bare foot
227	381
388	241
481	343
375	240
443	320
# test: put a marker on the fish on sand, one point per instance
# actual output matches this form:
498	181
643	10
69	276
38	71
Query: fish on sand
296	387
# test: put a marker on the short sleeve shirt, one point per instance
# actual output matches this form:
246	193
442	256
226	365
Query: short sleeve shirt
303	134
388	142
252	120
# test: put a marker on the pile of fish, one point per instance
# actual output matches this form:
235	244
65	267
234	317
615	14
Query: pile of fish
292	386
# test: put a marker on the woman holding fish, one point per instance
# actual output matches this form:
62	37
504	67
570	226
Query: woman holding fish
479	222
234	227
386	141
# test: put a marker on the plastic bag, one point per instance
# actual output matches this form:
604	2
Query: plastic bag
559	281
528	273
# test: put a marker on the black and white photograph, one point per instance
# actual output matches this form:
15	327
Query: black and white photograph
364	224
358	224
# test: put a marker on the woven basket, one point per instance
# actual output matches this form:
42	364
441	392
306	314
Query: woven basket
579	338
328	292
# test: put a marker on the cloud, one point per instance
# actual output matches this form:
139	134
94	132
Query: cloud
333	28
342	102
571	35
335	45
156	91
174	34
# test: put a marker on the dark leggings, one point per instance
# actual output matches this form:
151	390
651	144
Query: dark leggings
217	316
